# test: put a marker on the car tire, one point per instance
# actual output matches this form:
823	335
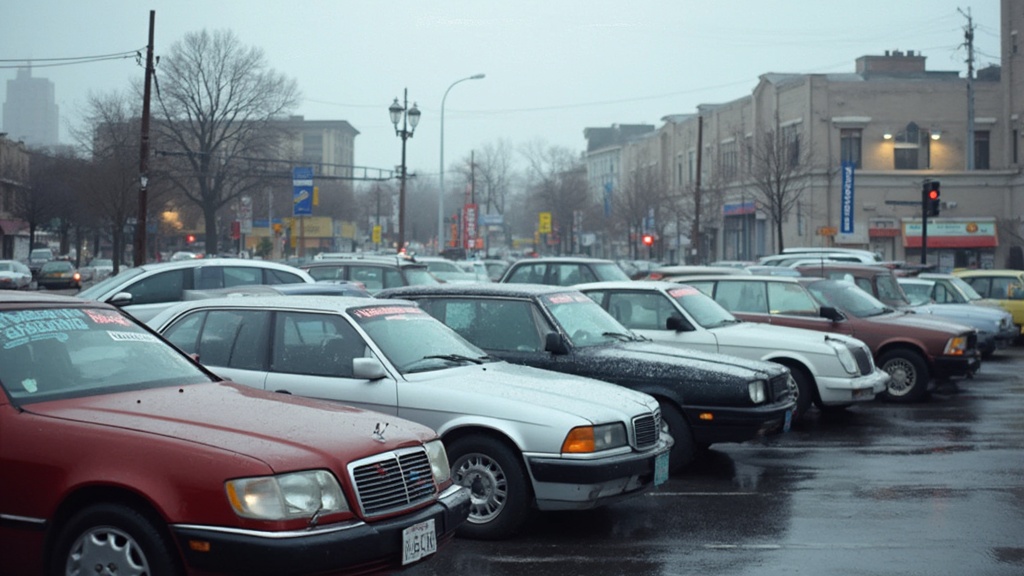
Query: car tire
805	388
909	375
500	497
684	451
114	536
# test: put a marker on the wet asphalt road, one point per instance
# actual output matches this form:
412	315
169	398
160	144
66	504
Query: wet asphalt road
882	489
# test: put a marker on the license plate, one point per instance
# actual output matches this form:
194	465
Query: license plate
418	541
789	421
661	469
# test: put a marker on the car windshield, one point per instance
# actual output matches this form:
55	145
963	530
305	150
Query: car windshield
847	297
586	323
55	353
98	290
610	271
704	311
413	340
6	267
889	290
918	292
419	276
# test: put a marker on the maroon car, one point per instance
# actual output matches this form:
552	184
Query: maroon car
121	455
915	350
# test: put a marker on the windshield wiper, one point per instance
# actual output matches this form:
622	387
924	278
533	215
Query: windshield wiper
620	335
456	358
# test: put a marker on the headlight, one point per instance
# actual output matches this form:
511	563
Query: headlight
586	439
286	496
438	461
845	357
956	346
757	391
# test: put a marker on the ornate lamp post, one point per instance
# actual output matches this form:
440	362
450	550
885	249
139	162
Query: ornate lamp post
440	193
409	118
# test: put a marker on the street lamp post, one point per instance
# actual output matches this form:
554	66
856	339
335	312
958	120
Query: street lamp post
409	117
440	192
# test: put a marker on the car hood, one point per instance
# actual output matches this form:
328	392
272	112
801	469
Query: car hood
649	358
768	337
920	322
494	386
285	432
965	313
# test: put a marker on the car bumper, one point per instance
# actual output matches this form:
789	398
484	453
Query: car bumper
715	424
353	547
846	391
561	484
954	366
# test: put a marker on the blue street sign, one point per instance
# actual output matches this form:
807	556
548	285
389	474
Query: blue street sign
302	195
846	200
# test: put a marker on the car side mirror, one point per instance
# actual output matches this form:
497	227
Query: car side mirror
121	299
677	324
554	343
368	369
832	313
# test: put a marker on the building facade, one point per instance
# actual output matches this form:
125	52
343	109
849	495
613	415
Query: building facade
863	145
14	176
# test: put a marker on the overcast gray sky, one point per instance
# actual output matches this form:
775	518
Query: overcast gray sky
553	67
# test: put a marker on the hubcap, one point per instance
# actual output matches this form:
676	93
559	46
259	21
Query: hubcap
903	377
106	551
487	484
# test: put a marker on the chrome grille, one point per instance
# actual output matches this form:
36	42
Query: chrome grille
780	390
647	430
863	358
392	481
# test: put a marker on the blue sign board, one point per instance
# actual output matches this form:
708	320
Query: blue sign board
846	200
302	196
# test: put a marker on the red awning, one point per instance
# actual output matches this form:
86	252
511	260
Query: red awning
13	227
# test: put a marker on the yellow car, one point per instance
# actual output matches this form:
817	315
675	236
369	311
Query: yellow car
1005	287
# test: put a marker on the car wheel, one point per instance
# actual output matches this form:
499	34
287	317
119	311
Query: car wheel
804	391
498	485
684	450
115	537
909	375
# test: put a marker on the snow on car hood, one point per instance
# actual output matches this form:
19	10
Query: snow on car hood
698	364
285	432
770	336
981	317
490	388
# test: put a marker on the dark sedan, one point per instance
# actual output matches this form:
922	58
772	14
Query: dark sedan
58	274
705	398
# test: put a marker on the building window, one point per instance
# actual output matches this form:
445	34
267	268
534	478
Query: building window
981	150
1016	146
691	158
849	146
911	148
729	159
791	140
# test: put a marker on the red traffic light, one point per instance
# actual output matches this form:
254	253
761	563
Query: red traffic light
190	238
933	194
648	240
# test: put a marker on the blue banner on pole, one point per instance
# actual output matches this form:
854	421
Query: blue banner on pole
846	200
302	195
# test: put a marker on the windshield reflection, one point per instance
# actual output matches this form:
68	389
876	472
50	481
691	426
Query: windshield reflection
704	311
413	341
586	323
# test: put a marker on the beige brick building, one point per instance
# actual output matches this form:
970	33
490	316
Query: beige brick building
896	122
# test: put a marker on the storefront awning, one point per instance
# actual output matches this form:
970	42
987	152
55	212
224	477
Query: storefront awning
952	233
13	227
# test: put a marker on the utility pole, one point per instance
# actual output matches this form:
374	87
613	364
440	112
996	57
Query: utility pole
695	240
139	251
969	42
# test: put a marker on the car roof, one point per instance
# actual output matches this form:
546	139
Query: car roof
14	299
564	259
371	259
308	303
629	285
477	289
995	272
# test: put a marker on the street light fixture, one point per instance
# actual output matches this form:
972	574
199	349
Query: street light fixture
440	192
409	117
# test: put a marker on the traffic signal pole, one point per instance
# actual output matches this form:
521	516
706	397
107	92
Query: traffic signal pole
929	207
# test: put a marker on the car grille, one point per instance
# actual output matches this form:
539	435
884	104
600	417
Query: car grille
647	430
392	481
972	340
863	358
780	388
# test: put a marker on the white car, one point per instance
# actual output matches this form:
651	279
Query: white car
145	290
831	370
520	438
14	275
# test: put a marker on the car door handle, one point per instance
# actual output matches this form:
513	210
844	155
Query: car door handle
282	391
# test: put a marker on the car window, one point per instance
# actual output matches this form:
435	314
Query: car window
532	273
608	272
586	323
742	296
941	295
966	290
412	340
982	286
184	332
234	339
889	289
707	287
271	276
640	310
393	278
705	311
506	325
161	287
327	272
242	276
1002	288
316	344
786	298
416	276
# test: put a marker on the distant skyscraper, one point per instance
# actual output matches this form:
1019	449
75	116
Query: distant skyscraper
30	110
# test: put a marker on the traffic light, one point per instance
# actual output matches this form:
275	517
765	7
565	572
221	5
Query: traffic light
930	198
190	238
648	239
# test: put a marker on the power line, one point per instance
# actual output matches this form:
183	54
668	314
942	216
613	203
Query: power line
131	52
66	61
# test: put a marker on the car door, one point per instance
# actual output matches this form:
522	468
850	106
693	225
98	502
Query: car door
232	343
152	294
647	312
311	356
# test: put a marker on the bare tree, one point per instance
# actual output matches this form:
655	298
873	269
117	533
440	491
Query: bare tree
218	104
779	172
493	176
643	194
556	182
